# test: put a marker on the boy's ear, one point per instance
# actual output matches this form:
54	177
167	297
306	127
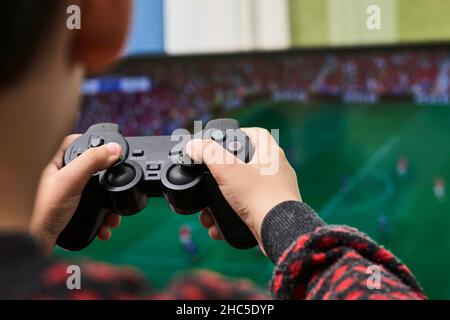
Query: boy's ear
103	33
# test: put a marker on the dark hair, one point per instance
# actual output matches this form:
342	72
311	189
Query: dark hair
24	26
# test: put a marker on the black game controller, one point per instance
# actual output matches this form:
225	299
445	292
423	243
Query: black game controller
155	166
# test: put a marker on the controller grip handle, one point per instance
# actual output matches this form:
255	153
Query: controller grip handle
233	230
87	219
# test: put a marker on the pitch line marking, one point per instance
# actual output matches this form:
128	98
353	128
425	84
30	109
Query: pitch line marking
360	174
379	199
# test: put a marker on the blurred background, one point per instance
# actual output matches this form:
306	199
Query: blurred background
364	117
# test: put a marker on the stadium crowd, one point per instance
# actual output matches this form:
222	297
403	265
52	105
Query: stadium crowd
187	88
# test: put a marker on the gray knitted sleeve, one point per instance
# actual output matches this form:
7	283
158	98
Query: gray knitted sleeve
284	224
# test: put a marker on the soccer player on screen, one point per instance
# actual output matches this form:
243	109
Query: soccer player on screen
402	167
187	243
439	188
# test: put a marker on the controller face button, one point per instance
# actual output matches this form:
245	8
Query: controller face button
218	135
235	146
97	142
138	153
154	167
120	176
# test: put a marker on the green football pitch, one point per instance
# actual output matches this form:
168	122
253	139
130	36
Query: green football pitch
345	157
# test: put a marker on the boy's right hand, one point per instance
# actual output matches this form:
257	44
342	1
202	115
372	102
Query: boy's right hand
250	188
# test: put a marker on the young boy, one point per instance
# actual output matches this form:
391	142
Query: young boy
43	66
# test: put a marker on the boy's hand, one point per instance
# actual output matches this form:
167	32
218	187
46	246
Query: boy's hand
249	192
60	190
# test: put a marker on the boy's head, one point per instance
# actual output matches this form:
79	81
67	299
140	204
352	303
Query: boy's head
43	64
27	27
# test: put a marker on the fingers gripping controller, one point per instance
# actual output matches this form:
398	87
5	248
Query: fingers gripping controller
96	136
146	169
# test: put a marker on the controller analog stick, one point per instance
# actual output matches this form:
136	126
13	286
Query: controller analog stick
179	176
120	176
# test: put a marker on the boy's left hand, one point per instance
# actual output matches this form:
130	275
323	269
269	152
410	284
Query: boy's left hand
60	190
